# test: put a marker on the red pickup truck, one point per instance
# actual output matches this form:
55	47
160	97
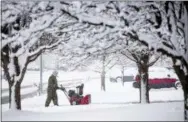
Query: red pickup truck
159	82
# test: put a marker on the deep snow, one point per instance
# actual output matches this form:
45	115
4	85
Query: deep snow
155	111
114	104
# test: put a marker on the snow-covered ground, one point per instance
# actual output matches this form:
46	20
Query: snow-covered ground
155	112
117	103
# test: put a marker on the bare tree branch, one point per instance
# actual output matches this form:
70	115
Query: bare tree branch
153	62
128	57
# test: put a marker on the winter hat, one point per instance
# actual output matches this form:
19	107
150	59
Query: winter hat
55	73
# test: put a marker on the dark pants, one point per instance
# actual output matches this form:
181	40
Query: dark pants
51	95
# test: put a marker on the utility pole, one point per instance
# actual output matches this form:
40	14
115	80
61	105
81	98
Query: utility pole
57	62
122	72
40	86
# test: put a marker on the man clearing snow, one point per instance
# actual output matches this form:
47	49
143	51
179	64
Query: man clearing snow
51	91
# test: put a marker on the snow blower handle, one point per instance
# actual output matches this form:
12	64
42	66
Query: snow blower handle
65	92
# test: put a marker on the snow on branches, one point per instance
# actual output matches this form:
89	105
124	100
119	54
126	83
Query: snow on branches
25	36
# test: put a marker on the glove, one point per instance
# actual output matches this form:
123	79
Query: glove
63	88
55	87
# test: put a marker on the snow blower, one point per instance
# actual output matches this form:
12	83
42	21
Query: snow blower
76	98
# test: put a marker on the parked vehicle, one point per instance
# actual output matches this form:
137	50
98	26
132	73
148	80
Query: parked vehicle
160	78
127	76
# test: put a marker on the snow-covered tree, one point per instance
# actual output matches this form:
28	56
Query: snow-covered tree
119	20
24	38
94	49
159	25
102	64
174	30
144	58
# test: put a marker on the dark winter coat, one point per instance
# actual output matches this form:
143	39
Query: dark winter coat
52	83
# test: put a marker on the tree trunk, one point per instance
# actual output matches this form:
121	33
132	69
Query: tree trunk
103	87
17	95
185	88
184	82
10	92
144	86
14	96
14	85
186	103
103	73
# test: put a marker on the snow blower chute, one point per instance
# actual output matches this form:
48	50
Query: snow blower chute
77	98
